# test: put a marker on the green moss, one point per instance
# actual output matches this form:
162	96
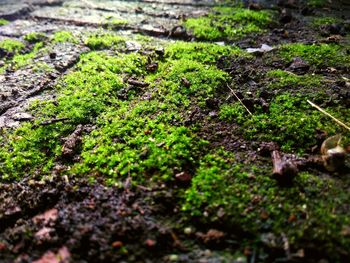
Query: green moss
253	201
322	55
22	60
31	148
104	41
291	122
201	52
317	3
282	79
64	36
3	22
11	45
228	22
131	143
83	95
117	23
327	20
34	37
186	80
232	113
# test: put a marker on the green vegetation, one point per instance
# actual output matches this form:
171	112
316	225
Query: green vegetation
3	22
317	3
291	122
282	79
327	20
35	37
104	41
228	22
321	55
22	60
11	45
117	23
201	52
64	36
254	202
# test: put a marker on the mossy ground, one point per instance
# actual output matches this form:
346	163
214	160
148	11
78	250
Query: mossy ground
143	112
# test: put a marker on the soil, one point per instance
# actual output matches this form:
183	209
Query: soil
65	219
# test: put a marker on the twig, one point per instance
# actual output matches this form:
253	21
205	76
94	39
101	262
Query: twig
52	121
239	99
329	115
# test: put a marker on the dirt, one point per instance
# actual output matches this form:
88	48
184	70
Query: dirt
65	219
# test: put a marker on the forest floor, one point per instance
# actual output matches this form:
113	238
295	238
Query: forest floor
144	131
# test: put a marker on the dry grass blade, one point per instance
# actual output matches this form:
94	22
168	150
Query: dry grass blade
329	115
234	94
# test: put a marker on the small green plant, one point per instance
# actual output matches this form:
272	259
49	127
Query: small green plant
282	79
327	20
64	36
11	45
34	37
3	22
317	3
22	60
201	52
104	41
228	22
233	113
319	55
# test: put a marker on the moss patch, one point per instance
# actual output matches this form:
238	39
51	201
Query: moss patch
228	22
64	36
35	37
10	45
3	22
104	41
282	79
322	55
251	201
291	122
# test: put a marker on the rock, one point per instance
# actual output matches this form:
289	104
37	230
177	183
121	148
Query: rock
286	16
264	48
333	154
299	66
46	217
212	236
22	116
183	177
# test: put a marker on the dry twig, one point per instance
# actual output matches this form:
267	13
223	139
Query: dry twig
239	100
329	115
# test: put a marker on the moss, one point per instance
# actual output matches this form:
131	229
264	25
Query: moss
317	3
104	41
117	23
132	144
3	22
201	52
281	79
252	201
30	148
82	96
327	20
228	22
319	55
232	113
186	80
10	45
22	60
290	121
64	36
35	37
